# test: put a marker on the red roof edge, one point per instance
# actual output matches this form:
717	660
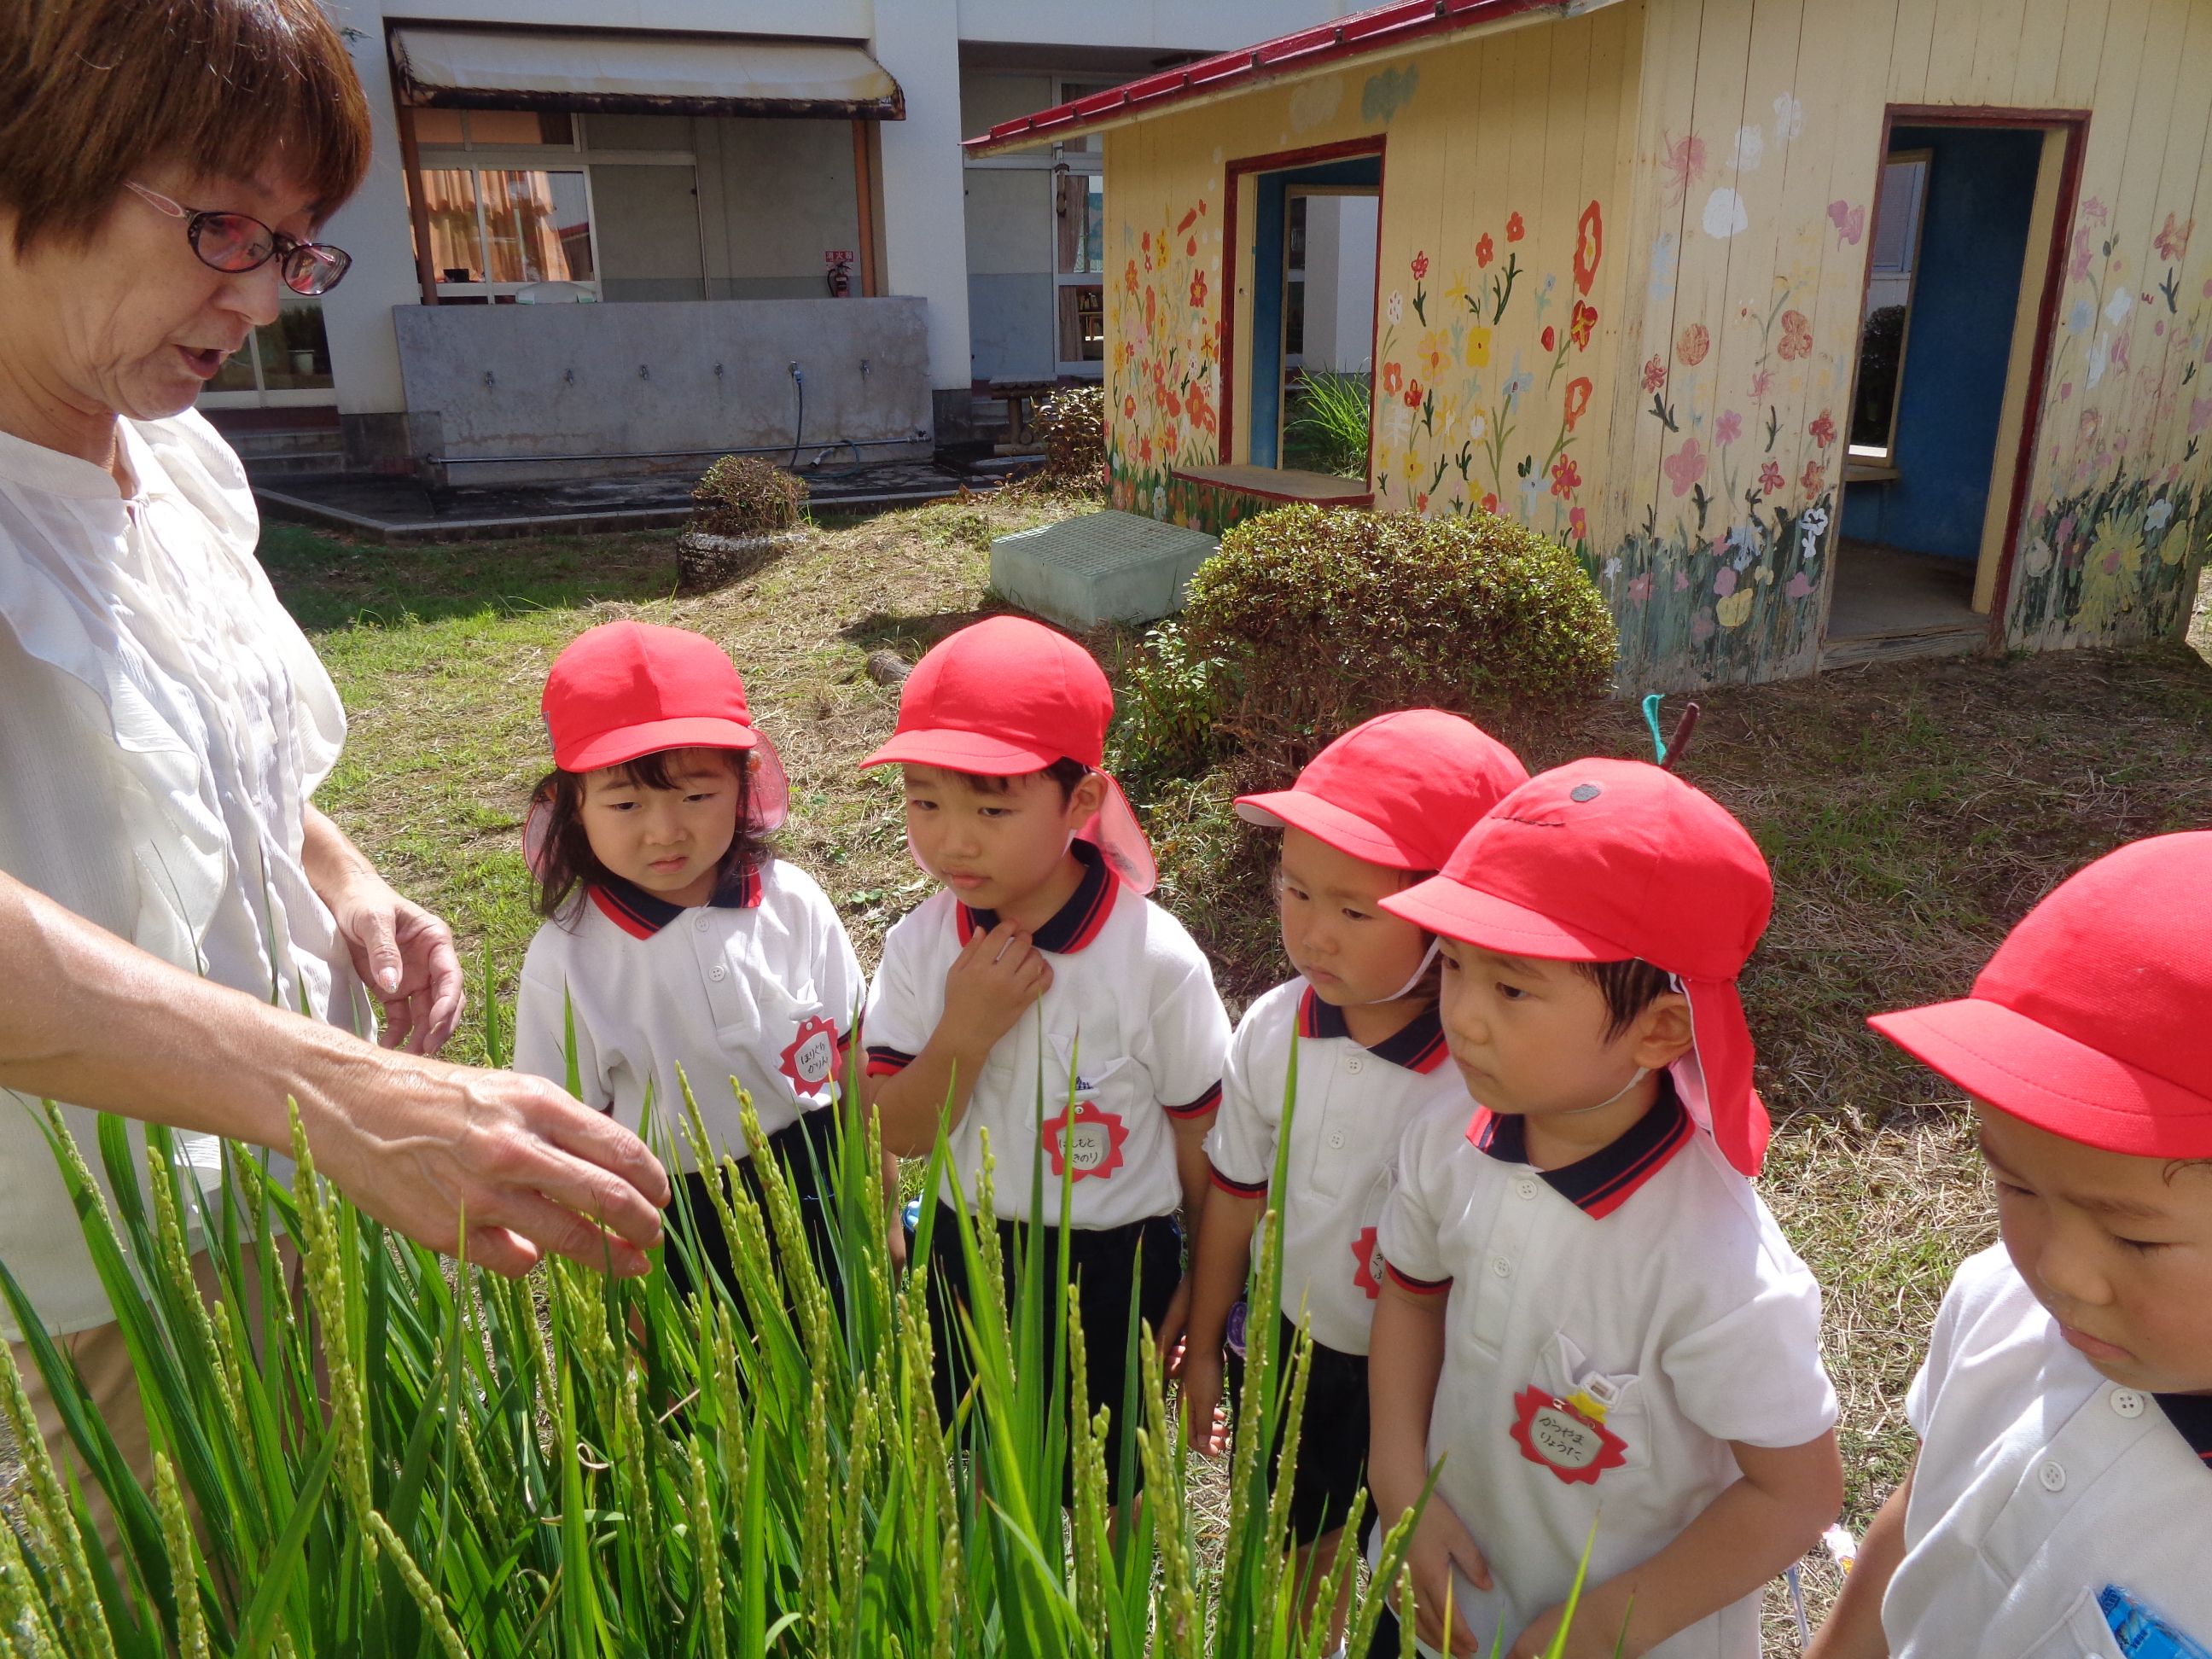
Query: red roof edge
1365	32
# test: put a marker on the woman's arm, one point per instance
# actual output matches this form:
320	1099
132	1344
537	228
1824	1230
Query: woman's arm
423	1146
403	953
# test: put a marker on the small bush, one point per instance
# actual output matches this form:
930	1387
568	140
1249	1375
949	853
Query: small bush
744	495
1310	620
1306	623
1071	425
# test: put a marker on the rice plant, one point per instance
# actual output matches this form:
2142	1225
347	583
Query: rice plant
402	1458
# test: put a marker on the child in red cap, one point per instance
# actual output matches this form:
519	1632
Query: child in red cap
1042	961
676	939
2062	1500
1590	1320
1380	808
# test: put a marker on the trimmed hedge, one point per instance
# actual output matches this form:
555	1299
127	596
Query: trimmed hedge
1306	623
1310	619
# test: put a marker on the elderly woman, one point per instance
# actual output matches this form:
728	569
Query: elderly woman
184	938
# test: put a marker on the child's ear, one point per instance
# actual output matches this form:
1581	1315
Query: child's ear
1662	1034
1086	798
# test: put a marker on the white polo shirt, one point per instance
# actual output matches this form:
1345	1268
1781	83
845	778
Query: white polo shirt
1132	1010
2039	1483
762	987
1353	1103
1611	1326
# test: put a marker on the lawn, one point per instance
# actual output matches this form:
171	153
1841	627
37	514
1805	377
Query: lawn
1912	812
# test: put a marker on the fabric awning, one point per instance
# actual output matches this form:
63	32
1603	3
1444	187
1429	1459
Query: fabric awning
635	72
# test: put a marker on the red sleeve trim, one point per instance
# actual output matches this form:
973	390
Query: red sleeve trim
1199	1108
1418	1286
887	1062
1236	1188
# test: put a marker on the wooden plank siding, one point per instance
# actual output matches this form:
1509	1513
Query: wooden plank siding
1721	157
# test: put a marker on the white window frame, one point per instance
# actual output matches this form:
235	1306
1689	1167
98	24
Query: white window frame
577	157
259	396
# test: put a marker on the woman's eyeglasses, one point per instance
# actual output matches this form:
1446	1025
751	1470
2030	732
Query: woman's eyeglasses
238	242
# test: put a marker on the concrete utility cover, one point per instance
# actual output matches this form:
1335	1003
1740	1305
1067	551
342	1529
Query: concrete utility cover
1102	566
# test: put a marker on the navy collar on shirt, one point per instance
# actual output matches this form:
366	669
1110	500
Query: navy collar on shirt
642	914
1419	1045
1075	924
1601	1183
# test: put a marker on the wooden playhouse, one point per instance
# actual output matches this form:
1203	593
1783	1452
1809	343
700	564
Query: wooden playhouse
1820	329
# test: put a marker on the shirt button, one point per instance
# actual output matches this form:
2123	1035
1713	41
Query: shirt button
2053	1476
1336	1140
699	924
1355	1065
718	973
1501	1266
2126	1402
1525	1187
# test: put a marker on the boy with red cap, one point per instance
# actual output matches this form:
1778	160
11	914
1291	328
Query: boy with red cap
675	943
1380	808
2062	1500
1592	1330
1042	964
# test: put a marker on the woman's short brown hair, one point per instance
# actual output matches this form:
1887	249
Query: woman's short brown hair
92	92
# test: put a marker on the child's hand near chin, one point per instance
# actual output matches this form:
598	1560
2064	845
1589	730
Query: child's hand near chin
993	980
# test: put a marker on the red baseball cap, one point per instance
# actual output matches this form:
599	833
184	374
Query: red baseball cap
2090	1020
1601	860
1399	790
627	688
1007	696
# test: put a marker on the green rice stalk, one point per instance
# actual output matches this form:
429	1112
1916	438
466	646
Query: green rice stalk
24	1620
184	1558
327	1294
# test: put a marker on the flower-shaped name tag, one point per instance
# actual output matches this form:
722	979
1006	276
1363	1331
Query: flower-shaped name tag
1082	1136
1556	1433
1365	1264
812	1055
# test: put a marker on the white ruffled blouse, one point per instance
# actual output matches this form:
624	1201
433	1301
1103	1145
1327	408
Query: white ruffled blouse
163	726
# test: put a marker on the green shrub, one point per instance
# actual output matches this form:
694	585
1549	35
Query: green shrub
1306	623
1071	426
744	495
1309	620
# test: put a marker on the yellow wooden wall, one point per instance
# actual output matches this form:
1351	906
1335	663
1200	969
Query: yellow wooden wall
1699	174
1503	155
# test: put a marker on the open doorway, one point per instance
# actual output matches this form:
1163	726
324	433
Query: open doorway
1954	331
1328	329
1301	234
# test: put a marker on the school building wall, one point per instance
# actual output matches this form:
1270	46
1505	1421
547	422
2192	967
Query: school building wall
1622	262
